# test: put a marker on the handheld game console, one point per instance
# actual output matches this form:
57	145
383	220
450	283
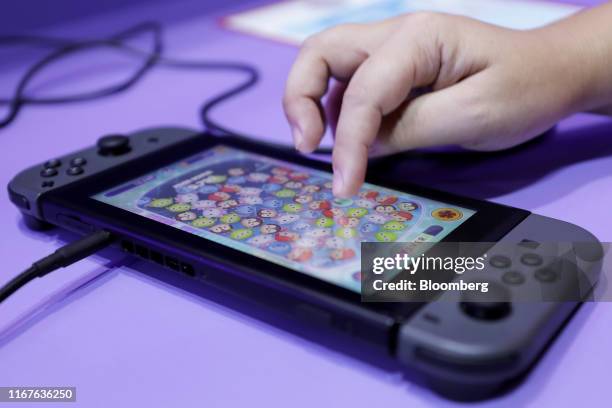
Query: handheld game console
262	222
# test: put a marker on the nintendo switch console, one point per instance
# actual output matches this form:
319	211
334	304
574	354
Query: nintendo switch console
262	222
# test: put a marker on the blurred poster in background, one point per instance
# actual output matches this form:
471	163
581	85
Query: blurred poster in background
293	21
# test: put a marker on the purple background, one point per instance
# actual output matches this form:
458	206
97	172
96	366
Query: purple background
126	340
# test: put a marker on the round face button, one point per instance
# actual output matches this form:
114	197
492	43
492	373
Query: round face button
113	145
513	278
491	305
74	171
53	163
78	161
531	259
500	261
48	172
546	275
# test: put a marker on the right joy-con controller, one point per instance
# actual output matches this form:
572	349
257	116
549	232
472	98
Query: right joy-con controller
467	347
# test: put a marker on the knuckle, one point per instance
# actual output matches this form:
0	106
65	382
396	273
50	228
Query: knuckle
424	20
329	37
313	42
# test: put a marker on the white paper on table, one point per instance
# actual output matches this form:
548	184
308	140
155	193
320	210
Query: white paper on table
294	20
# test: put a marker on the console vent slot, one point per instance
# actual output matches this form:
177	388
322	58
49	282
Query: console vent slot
159	258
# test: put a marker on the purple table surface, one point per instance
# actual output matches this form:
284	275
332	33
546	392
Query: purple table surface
126	340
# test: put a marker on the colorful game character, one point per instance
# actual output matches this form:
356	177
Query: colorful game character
179	207
402	216
376	218
227	204
369	194
311	188
213	212
311	214
219	196
269	229
220	228
300	254
285	193
273	203
385	209
208	189
343	202
251	200
230	188
241	234
368	227
245	191
386	200
258	177
186	216
292	207
278	179
342	254
301	226
294	185
251	222
334	212
261	241
394	226
187	198
279	247
408	206
286	236
201	204
287	218
187	189
245	210
280	171
161	202
319	205
318	232
363	203
302	199
350	222
356	212
385	236
298	176
306	243
215	179
324	222
324	196
203	222
231	218
267	213
271	187
346	233
236	180
334	243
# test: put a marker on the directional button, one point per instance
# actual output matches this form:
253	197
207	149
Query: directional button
49	172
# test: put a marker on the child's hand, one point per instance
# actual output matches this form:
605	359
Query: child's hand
490	88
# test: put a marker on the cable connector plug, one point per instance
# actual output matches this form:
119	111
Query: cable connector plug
66	255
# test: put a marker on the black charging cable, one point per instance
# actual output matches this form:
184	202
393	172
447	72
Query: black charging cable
65	256
63	48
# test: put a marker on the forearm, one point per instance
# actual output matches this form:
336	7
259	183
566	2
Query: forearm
584	45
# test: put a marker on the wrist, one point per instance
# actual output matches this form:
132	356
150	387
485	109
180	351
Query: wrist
581	52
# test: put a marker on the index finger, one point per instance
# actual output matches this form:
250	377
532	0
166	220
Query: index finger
380	85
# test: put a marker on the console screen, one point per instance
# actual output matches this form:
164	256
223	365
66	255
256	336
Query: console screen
282	212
